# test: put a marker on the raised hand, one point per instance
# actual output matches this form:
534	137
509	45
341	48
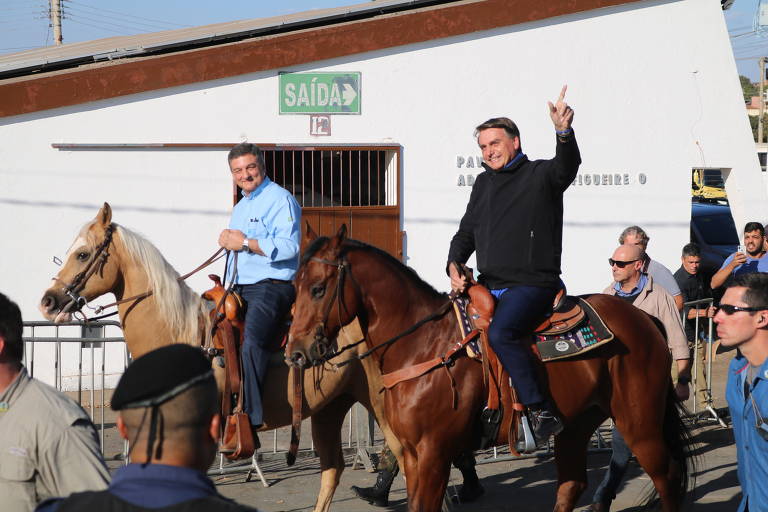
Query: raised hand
560	112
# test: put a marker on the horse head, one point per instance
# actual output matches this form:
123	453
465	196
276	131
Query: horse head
89	270
326	300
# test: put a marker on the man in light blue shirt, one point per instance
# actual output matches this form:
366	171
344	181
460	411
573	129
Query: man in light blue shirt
749	258
742	321
264	230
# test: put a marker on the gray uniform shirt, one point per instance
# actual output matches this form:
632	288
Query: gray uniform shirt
48	446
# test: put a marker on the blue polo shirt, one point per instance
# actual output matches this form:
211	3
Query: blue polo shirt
271	215
751	448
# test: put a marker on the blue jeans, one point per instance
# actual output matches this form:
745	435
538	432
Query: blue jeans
517	311
267	304
606	491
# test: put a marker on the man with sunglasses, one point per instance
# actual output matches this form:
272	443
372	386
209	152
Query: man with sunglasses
633	286
751	260
742	322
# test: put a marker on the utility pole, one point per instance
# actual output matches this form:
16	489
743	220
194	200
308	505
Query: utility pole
762	102
56	21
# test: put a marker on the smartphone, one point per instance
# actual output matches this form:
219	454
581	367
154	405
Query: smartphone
741	249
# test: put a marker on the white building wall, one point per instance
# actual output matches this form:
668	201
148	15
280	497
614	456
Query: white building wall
653	84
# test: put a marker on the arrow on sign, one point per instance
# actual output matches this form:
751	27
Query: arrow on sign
349	94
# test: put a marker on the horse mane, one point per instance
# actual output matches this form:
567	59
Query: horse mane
179	305
350	245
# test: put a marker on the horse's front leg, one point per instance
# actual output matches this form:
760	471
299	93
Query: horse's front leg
431	469
326	434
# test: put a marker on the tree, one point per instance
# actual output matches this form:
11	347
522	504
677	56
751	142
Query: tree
748	88
753	124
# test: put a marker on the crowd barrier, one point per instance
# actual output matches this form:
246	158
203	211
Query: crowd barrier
702	338
87	377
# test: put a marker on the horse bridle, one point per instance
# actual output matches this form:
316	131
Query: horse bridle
321	338
322	343
73	289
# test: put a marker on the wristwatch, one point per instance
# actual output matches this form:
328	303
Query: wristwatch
683	379
246	248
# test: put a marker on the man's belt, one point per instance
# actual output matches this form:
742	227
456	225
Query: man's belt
275	281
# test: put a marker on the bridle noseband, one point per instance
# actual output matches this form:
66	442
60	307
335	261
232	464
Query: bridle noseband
321	341
73	289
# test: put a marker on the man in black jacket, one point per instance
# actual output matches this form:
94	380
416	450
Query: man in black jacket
514	221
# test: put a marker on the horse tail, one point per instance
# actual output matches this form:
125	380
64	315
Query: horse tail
679	442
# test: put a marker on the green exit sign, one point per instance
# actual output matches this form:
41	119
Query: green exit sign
320	93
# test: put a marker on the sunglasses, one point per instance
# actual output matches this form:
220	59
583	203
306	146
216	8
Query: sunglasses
620	264
730	309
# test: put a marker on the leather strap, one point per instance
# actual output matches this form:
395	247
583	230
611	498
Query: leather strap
390	380
298	392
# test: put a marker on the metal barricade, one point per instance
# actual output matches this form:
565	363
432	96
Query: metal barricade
697	349
359	439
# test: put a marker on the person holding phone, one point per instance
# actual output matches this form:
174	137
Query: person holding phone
747	259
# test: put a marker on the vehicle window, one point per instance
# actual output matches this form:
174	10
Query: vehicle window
717	229
713	178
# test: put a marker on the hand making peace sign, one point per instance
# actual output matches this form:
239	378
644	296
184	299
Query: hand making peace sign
561	113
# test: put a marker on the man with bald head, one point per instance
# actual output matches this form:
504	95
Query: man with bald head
632	285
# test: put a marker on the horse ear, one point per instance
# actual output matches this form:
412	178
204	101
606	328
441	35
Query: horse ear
105	215
309	233
341	234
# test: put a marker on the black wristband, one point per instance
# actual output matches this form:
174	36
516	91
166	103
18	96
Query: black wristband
683	379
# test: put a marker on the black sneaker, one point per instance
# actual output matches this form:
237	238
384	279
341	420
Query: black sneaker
546	423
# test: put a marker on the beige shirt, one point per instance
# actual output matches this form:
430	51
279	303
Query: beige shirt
48	446
657	302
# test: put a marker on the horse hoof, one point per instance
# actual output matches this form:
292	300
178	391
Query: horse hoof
468	493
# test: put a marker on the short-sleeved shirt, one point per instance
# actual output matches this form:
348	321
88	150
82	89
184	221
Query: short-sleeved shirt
751	448
48	446
663	277
752	265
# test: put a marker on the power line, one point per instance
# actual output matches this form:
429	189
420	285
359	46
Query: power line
90	19
124	14
135	25
114	32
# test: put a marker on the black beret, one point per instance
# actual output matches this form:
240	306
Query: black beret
160	375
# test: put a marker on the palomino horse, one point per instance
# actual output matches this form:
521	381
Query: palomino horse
129	265
627	379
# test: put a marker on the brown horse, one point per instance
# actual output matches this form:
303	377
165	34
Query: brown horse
128	265
627	379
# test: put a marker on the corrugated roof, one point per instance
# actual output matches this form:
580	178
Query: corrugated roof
74	54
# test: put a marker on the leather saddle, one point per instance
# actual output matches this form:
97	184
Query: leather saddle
503	412
227	327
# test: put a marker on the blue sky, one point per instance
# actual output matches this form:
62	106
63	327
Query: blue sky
24	23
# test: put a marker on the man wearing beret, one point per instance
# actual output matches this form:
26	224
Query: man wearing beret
167	401
48	445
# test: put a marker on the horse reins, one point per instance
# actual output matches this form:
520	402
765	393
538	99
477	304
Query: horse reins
99	259
321	338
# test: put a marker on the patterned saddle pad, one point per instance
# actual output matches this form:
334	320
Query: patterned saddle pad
587	335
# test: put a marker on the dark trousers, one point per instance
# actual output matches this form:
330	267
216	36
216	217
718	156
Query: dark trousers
267	304
606	491
517	311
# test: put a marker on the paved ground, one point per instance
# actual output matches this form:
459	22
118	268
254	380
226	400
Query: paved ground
520	485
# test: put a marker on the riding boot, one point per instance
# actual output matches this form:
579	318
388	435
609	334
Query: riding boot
546	422
470	489
378	495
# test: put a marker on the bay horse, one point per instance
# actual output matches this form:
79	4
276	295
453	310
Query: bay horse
129	265
627	379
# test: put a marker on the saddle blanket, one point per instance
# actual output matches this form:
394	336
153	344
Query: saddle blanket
589	334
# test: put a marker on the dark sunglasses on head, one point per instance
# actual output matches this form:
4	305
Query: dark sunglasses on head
620	264
730	309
